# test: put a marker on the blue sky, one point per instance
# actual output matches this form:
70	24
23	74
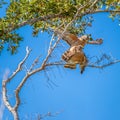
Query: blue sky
93	95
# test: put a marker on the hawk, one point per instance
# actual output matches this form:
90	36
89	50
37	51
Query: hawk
75	55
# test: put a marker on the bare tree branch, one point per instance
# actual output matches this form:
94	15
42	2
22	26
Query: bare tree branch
104	65
94	3
35	62
6	80
19	65
49	114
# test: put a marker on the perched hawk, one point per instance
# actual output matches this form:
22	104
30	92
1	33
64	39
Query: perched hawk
75	55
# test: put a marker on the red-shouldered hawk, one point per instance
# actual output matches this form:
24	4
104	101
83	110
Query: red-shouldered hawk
75	55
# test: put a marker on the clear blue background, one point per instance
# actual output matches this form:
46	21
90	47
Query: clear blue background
94	95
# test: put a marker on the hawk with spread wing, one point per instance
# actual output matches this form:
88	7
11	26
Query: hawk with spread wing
75	55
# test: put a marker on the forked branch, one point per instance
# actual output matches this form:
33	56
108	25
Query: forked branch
6	80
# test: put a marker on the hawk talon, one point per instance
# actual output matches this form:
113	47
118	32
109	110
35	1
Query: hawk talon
71	66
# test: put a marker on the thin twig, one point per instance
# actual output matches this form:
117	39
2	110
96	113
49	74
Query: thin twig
104	65
34	63
52	38
19	68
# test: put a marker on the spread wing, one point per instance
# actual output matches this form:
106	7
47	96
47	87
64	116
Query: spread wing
75	55
68	37
71	39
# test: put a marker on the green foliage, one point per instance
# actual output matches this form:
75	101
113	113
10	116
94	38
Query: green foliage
113	5
47	15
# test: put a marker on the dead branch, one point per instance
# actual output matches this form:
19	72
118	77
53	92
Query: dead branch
19	68
35	62
49	114
6	80
104	65
103	62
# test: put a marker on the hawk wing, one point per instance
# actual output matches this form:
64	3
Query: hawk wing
68	37
72	39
